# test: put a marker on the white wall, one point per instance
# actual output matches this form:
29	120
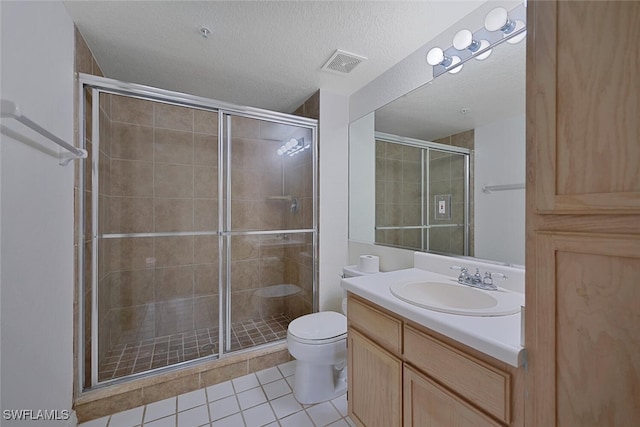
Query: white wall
500	159
36	205
334	196
362	203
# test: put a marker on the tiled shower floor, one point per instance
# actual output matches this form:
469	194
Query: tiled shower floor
132	358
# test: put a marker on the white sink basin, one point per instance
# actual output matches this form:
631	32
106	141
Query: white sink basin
454	298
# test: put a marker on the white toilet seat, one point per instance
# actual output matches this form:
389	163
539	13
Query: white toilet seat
317	342
318	328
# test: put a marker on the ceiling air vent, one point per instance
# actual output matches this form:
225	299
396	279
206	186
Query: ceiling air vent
342	62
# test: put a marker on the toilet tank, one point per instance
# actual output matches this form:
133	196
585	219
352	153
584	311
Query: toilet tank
350	271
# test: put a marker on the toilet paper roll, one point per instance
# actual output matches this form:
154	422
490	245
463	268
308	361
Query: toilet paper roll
369	264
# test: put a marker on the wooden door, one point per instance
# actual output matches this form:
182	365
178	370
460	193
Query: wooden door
375	383
583	213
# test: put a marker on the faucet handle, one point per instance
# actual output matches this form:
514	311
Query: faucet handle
499	276
464	273
488	280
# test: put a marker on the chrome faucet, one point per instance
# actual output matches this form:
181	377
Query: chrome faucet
476	280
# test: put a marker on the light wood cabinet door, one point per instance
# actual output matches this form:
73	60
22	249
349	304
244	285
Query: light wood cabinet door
584	106
583	213
585	358
426	404
375	383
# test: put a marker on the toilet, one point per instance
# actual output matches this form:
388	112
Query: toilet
318	342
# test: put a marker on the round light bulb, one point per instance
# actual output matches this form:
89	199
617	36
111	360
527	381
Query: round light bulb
455	60
294	142
496	19
517	39
463	39
484	55
435	56
280	152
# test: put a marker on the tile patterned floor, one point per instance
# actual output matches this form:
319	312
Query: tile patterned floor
261	399
132	358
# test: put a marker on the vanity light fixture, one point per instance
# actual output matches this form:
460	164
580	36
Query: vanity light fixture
293	147
498	20
436	56
464	40
500	26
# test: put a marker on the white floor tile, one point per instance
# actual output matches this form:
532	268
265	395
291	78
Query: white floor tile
350	422
160	409
162	422
340	403
191	400
130	418
245	383
323	414
218	391
223	407
285	405
194	417
273	424
276	389
289	381
288	368
100	422
251	398
269	375
258	415
299	419
232	421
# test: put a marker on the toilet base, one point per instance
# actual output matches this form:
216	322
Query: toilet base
315	383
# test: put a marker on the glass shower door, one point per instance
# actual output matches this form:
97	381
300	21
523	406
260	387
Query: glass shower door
269	228
446	205
153	195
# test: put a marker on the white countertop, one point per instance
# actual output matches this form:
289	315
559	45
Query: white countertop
497	336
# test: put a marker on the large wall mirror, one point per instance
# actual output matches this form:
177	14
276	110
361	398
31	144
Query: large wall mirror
442	169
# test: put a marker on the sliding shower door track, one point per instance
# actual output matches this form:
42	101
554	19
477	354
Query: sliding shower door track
159	234
202	233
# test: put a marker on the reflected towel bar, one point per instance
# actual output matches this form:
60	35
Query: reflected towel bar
11	110
489	188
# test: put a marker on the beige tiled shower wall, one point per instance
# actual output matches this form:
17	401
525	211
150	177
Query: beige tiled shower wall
398	193
162	178
258	177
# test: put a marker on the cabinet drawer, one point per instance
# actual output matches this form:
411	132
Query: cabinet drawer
428	404
481	384
380	327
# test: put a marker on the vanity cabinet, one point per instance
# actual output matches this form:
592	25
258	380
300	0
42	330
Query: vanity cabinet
375	383
402	374
374	346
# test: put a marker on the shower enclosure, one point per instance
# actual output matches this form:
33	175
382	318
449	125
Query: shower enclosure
200	228
422	195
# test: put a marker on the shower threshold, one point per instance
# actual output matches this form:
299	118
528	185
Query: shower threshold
130	358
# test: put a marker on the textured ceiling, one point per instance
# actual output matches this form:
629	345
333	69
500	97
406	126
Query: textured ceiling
265	54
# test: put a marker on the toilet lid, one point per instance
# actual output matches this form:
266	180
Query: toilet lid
319	326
